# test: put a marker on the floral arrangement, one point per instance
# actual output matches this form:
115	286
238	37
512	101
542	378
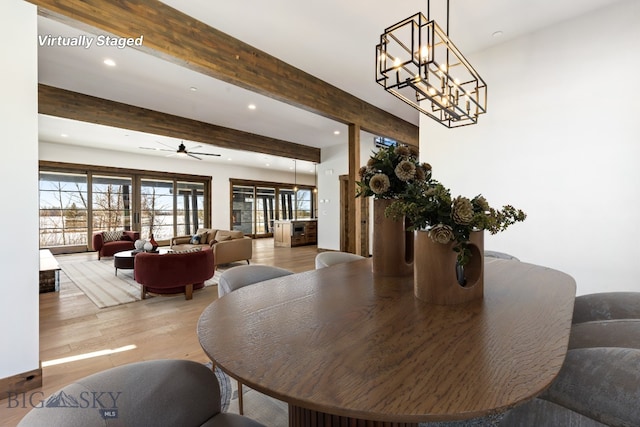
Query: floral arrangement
452	220
393	173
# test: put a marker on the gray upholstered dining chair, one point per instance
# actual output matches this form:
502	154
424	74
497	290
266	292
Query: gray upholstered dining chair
599	383
326	259
150	393
239	277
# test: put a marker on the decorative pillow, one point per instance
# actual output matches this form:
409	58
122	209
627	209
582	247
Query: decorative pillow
126	238
195	239
186	251
220	238
111	236
203	235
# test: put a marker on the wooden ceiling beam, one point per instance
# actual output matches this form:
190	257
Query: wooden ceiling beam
76	106
183	40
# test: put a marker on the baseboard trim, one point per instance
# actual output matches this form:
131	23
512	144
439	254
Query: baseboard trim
20	383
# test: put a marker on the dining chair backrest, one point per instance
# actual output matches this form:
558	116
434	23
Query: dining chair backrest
326	259
245	275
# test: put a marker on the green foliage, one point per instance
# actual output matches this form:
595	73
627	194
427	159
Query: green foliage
393	173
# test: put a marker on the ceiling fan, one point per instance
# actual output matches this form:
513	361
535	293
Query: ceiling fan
181	151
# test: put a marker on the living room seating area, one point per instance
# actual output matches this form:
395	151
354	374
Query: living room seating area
107	243
227	245
173	272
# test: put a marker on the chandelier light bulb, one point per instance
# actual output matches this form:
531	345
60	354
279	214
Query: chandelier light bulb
424	53
396	63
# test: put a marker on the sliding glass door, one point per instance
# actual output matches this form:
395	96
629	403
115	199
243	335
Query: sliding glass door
63	210
111	203
74	204
265	210
190	207
156	209
256	205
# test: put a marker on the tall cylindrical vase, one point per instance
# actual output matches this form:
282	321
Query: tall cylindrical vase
438	279
392	244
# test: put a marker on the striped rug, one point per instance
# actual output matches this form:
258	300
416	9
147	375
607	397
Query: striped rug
98	281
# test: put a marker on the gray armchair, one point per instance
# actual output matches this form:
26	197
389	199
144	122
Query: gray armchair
151	393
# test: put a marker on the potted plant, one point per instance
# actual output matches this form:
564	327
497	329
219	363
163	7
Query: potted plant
392	174
449	220
449	243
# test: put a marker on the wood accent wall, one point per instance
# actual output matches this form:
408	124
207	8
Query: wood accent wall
72	105
183	40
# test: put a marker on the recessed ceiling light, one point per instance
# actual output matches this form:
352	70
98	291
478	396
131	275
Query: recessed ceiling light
64	135
267	164
193	89
497	34
109	62
251	106
336	132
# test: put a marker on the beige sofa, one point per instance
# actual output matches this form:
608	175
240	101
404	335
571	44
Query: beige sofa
228	246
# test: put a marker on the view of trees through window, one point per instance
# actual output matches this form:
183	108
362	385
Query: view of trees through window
74	205
111	203
63	209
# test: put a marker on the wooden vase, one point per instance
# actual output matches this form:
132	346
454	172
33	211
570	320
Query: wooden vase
436	280
392	244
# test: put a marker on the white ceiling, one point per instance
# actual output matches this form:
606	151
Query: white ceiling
333	40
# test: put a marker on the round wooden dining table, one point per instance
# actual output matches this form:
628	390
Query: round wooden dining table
344	347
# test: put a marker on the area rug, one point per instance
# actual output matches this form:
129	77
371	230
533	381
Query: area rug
98	281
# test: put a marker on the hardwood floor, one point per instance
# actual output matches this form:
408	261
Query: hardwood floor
155	328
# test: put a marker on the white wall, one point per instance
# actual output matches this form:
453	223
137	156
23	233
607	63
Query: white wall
334	163
19	256
220	173
560	140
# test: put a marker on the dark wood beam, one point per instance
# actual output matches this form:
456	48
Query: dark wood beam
76	106
183	40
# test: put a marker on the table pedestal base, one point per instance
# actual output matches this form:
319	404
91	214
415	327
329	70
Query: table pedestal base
302	417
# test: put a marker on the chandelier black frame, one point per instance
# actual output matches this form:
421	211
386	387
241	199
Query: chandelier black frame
417	62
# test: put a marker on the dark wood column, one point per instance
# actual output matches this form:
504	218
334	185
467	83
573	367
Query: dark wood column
354	211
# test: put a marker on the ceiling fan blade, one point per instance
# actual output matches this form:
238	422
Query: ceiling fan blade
195	157
205	154
168	146
154	149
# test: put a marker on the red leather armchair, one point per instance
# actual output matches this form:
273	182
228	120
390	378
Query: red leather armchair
107	247
173	272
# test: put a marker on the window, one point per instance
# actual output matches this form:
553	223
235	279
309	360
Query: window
111	203
190	207
63	209
76	200
242	209
265	210
156	208
304	204
256	205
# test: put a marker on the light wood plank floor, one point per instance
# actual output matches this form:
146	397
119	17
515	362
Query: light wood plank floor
159	327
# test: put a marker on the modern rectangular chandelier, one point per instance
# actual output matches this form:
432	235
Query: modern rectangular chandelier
416	62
